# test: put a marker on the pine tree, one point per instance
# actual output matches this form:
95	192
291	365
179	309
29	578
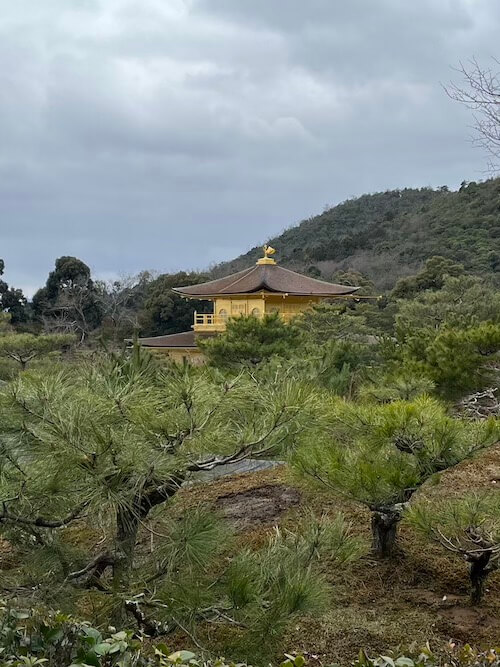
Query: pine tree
468	527
107	443
24	348
249	341
379	455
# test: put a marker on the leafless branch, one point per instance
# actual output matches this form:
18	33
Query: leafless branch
481	405
480	92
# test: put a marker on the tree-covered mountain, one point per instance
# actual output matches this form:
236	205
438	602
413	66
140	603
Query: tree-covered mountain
390	234
372	241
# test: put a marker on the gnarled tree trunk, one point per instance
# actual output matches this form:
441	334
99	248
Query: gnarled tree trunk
478	571
128	520
127	527
384	525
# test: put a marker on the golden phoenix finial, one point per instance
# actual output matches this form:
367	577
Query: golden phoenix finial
267	259
268	250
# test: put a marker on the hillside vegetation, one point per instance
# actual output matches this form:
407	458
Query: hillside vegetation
388	235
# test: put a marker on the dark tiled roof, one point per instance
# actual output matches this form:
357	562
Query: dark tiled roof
269	278
184	339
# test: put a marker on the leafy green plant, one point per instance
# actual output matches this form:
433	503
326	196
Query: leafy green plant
36	637
454	655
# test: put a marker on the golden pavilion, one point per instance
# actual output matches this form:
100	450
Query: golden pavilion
259	290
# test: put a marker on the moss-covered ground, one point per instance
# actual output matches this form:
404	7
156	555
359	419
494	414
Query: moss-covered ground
420	596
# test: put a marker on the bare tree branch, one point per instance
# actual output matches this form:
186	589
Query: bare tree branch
480	92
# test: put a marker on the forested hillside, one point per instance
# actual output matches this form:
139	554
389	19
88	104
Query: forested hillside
371	241
389	234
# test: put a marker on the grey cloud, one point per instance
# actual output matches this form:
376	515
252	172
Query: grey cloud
170	134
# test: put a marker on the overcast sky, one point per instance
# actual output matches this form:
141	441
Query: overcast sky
170	134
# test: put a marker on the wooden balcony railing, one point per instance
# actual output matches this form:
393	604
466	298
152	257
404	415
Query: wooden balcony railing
209	319
213	322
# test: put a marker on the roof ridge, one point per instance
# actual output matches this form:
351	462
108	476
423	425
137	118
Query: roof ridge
315	280
264	278
215	280
248	272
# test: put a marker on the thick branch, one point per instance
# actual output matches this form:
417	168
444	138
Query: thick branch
244	451
104	559
149	626
157	494
40	521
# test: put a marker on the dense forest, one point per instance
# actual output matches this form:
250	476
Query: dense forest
390	234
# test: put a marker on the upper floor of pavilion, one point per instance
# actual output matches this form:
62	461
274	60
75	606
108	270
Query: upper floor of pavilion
259	290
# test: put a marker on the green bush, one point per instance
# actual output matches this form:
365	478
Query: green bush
34	638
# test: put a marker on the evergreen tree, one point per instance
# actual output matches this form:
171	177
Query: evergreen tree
250	340
69	302
165	312
379	455
12	300
24	348
468	527
108	443
450	335
431	277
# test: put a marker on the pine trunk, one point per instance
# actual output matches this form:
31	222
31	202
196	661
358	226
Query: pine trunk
128	519
127	526
478	571
384	531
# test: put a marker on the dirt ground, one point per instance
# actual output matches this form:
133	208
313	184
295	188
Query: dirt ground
257	506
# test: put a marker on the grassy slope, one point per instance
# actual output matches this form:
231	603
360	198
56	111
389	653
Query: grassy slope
389	234
374	605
